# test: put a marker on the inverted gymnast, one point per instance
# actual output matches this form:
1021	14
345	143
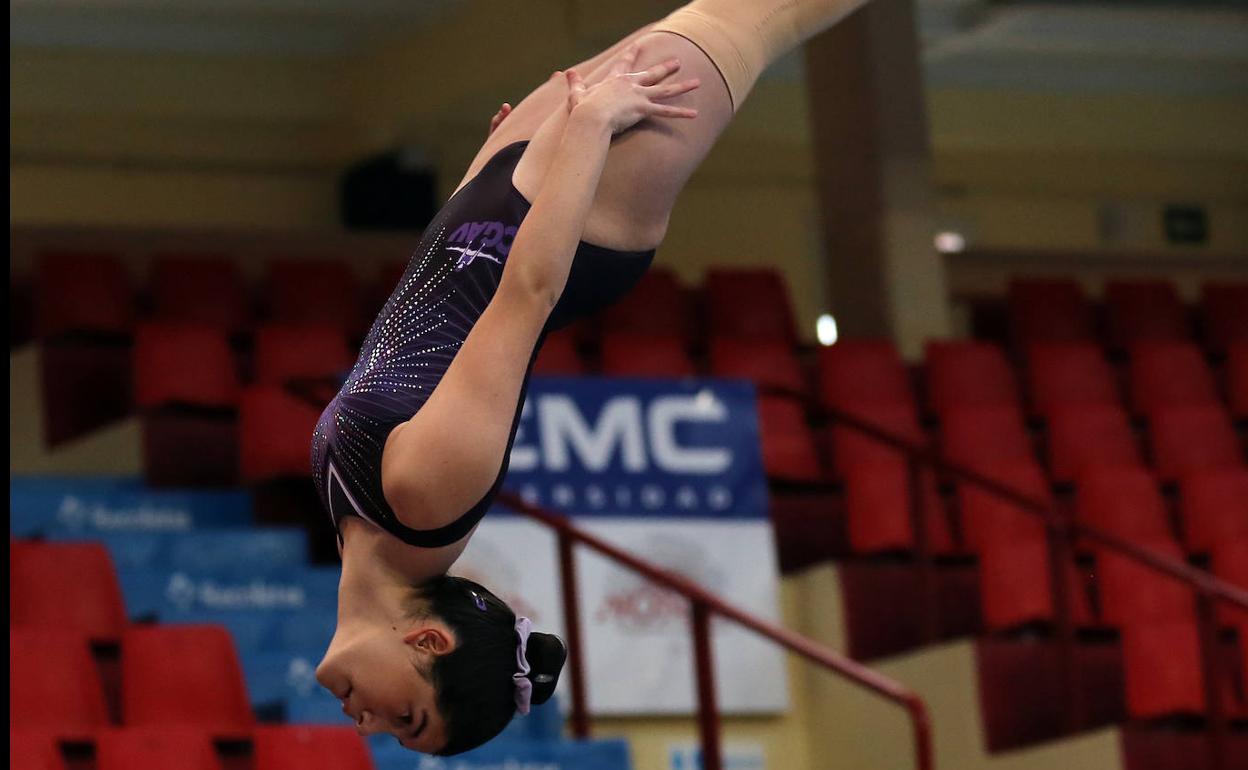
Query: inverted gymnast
411	452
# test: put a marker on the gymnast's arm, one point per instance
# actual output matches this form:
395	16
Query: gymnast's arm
445	458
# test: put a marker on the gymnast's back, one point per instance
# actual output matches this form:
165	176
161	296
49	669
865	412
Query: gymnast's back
449	281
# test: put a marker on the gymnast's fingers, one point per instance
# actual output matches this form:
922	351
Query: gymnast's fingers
625	61
671	111
669	90
652	75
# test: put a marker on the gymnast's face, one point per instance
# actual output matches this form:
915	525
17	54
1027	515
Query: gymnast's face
376	674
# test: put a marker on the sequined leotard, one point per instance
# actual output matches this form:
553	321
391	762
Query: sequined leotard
448	283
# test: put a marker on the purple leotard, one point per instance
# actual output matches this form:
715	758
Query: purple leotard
448	283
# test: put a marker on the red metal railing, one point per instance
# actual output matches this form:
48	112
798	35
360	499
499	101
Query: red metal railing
1062	530
704	605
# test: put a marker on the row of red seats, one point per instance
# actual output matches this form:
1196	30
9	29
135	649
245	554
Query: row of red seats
273	747
1056	310
92	293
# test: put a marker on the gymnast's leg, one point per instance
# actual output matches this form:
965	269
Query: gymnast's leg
725	43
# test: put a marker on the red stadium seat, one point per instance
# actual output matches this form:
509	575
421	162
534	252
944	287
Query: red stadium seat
1237	379
656	305
878	507
788	444
771	364
34	750
183	676
856	372
988	519
84	385
1214	504
68	586
183	364
1229	562
1048	309
164	748
1126	502
808	528
635	354
1065	374
968	374
850	447
81	293
1016	587
1162	668
1144	310
559	357
1224	308
201	290
296	747
979	436
53	682
751	303
1169	374
1190	438
288	353
1084	437
1134	594
313	291
275	431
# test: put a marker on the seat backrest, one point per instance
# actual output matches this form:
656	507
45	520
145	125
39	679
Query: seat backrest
70	586
177	363
968	374
1188	438
165	748
287	352
1124	501
53	682
1084	437
300	747
204	290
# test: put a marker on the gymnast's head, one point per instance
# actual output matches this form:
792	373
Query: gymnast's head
446	677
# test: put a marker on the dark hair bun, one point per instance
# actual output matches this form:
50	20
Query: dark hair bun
546	654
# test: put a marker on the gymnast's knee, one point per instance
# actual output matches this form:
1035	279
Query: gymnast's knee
743	37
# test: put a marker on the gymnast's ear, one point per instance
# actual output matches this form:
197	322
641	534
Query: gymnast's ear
433	639
546	654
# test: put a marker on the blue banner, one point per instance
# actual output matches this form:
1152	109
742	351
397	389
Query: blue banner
640	447
242	588
512	755
207	550
42	505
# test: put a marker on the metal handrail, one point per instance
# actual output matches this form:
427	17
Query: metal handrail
1061	531
704	605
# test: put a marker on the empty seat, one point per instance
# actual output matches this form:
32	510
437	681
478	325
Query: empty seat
183	364
850	447
1048	309
81	293
53	682
183	676
878	507
1169	374
1133	593
1084	437
1189	438
1126	502
200	290
1229	562
34	750
70	586
559	357
1064	374
1237	379
750	303
275	431
968	374
1144	310
297	747
312	291
771	364
855	372
808	528
287	353
1224	311
1016	585
656	305
985	436
988	518
165	748
637	354
788	443
1162	669
1214	507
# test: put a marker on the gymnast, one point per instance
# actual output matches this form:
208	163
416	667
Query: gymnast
557	217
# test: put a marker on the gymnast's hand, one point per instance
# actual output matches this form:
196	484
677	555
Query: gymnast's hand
625	98
498	118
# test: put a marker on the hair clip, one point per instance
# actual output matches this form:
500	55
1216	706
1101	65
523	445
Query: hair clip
477	600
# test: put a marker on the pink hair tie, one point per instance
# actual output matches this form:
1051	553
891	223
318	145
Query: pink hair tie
524	686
